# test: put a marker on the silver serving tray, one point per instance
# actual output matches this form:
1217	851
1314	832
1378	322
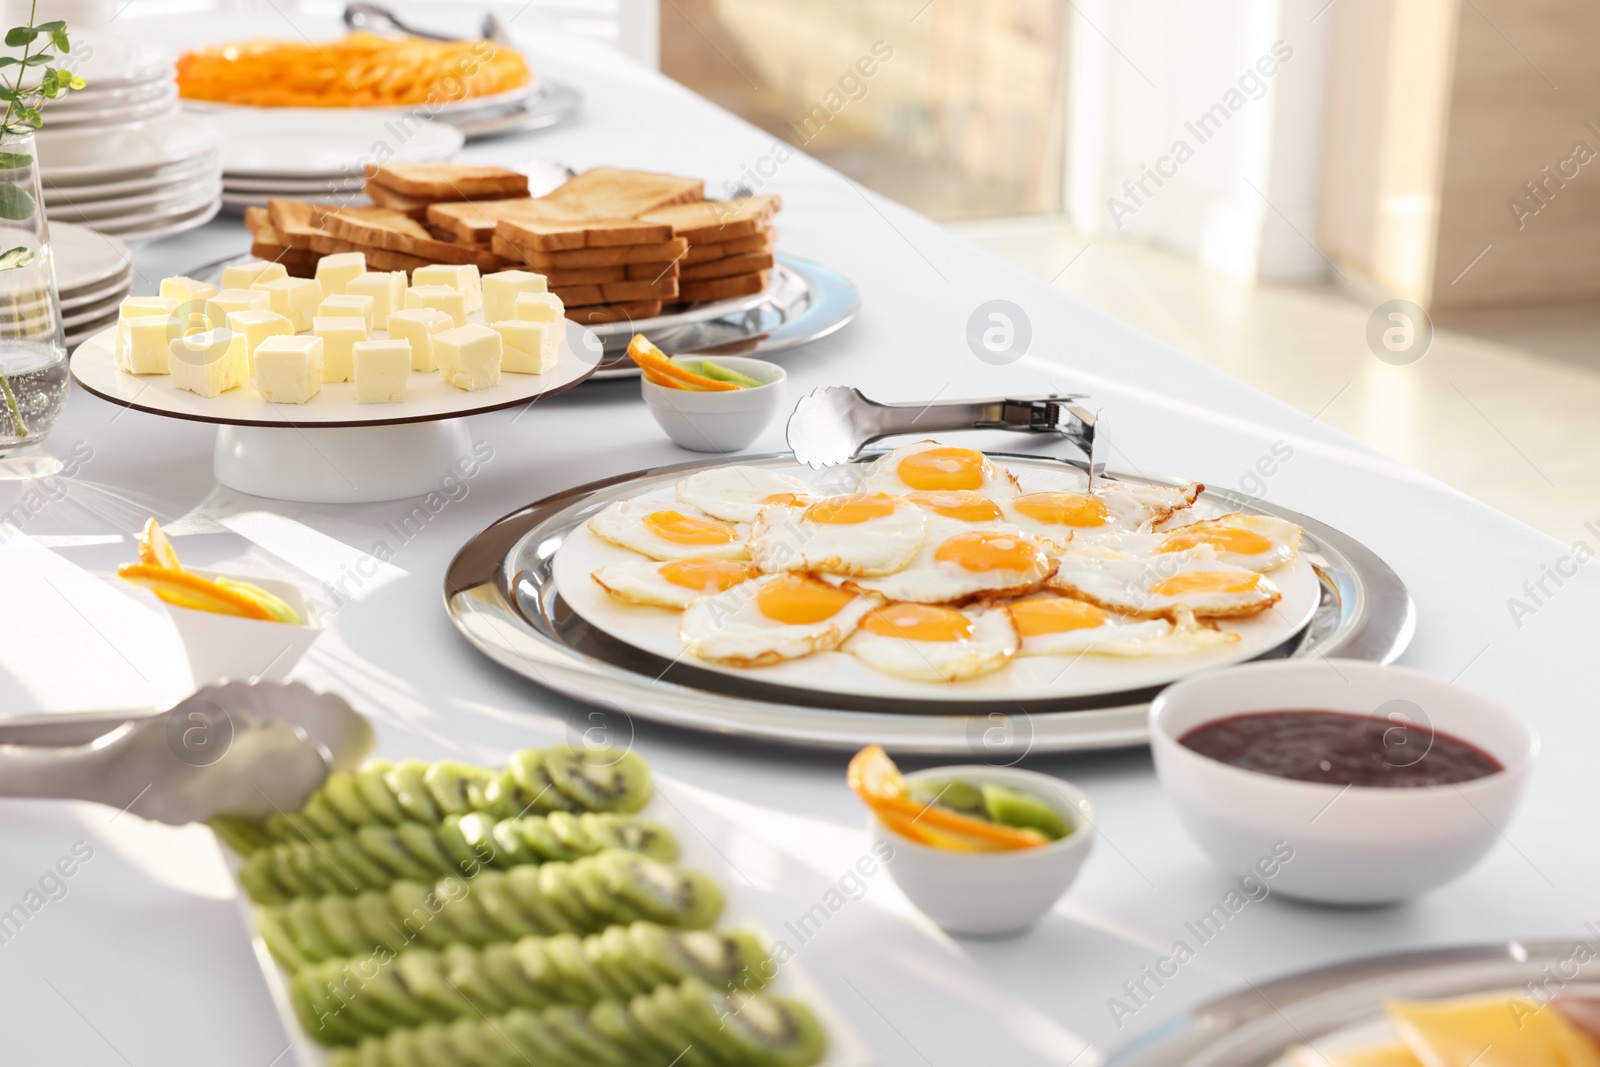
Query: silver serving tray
1251	1028
550	104
500	593
803	302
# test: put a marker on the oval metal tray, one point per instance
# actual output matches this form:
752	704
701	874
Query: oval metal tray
500	593
1252	1028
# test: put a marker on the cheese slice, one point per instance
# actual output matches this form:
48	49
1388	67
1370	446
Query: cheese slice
1494	1031
469	356
208	363
247	275
501	289
1378	1056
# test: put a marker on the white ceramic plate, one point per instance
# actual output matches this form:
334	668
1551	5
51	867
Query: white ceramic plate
96	156
1026	678
317	142
240	201
175	197
428	397
110	61
94	97
446	109
86	260
151	229
294	186
671	807
110	293
137	186
113	116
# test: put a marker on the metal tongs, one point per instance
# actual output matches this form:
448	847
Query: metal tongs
833	425
379	20
236	748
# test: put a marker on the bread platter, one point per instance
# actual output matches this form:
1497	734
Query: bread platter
504	591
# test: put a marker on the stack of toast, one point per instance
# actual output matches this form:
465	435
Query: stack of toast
410	188
730	245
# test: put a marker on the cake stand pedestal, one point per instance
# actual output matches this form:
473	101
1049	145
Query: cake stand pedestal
344	465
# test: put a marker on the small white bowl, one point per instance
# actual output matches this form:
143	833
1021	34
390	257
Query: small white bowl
1351	844
724	421
235	648
991	893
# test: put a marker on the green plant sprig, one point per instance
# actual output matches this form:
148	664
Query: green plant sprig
23	105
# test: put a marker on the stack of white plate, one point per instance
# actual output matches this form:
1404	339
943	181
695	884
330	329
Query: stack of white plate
119	156
140	182
316	153
94	271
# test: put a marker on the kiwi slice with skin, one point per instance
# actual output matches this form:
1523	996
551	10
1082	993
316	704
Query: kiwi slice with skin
657	1019
356	865
634	834
772	1030
405	781
256	875
504	909
535	790
952	793
338	915
421	973
423	846
453	841
670	895
556	885
478	1045
617	950
433	1048
344	797
376	915
605	779
321	1025
447	784
464	970
503	968
571	1027
321	815
539	838
418	913
395	998
1011	807
582	982
304	924
611	1019
379	799
270	924
510	848
698	1009
525	892
383	846
528	1031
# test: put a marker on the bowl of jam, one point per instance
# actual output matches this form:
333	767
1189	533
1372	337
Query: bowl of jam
1354	783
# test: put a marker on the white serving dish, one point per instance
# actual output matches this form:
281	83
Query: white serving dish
726	421
316	142
670	807
991	893
1351	844
234	648
92	156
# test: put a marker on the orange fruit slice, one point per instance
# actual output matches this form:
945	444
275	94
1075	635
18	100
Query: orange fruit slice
874	778
155	549
185	590
649	357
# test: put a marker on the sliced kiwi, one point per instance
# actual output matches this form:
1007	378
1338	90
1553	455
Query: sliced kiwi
509	847
665	894
617	950
344	994
478	1045
504	908
771	1030
559	890
375	914
447	784
382	846
274	930
632	833
724	960
698	1010
304	924
605	779
256	875
423	846
240	835
528	1031
539	838
405	781
421	972
527	890
344	796
1010	807
589	881
324	1023
338	915
612	1020
419	914
503	968
657	1018
571	1027
463	968
952	793
322	815
358	871
432	1046
385	988
585	983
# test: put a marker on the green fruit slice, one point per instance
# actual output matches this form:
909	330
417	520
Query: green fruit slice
422	844
304	923
421	973
571	1027
405	781
773	1030
338	915
717	372
558	889
634	834
464	970
377	796
501	965
270	924
952	793
535	789
527	890
599	779
345	798
1009	807
447	784
657	1020
612	1020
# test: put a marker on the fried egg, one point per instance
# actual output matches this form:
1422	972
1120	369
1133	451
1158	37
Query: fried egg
931	467
928	643
737	494
958	562
1051	625
963	505
1155	586
857	534
662	530
1057	517
674	584
1260	542
770	619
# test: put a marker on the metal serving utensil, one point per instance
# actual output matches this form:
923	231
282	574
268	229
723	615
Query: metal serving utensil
235	748
834	424
375	18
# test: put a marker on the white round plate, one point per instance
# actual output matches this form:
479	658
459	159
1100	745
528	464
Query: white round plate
93	156
86	259
428	397
451	108
293	186
113	116
154	229
174	197
1026	678
149	183
314	142
110	293
94	97
110	61
89	316
244	200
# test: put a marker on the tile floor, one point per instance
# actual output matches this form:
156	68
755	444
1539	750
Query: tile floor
1502	407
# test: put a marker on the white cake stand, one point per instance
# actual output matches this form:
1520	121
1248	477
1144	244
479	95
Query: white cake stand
333	450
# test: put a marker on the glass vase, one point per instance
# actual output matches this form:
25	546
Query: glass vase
33	353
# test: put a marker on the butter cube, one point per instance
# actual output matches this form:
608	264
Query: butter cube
417	326
469	356
339	335
188	291
225	303
452	302
538	307
339	270
288	368
501	288
387	288
146	325
461	277
296	299
252	273
256	326
209	363
382	368
529	347
344	304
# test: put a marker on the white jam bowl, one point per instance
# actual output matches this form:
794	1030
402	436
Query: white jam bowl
1351	844
724	421
992	893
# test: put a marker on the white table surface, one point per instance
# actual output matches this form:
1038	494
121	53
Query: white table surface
145	959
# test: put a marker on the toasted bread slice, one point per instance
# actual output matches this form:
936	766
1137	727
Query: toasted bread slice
294	220
474	221
661	251
628	311
556	234
436	181
415	207
649	272
387	229
729	266
723	288
704	253
563	279
606	192
717	221
617	292
256	220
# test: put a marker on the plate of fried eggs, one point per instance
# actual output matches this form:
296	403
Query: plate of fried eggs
936	572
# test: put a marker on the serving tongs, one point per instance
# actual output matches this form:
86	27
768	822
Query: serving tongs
379	20
235	748
834	424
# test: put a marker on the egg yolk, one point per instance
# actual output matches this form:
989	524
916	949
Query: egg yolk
712	575
683	529
918	622
945	468
1222	538
850	509
1054	615
957	504
795	600
1063	509
789	500
1206	582
988	550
